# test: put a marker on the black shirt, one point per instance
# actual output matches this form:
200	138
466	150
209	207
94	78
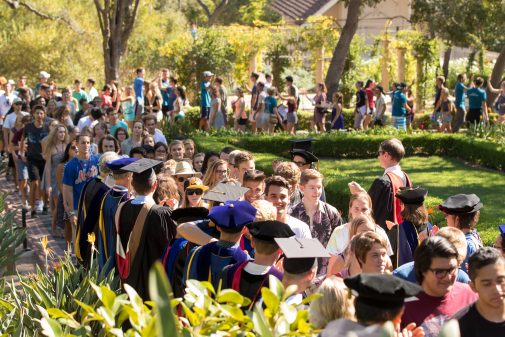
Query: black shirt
33	136
472	324
360	98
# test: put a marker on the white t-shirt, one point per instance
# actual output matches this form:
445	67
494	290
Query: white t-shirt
339	239
300	228
159	137
10	120
261	101
5	104
83	122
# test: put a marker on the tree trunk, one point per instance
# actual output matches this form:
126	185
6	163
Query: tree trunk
342	49
447	59
497	74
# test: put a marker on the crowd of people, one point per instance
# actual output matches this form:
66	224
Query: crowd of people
101	165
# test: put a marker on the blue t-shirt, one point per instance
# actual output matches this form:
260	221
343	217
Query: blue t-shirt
77	172
168	95
407	273
399	101
204	95
119	124
475	97
459	92
270	104
138	87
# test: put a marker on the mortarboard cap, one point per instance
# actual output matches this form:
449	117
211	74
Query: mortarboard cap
461	204
300	253
382	290
182	215
223	192
303	147
117	165
233	214
143	167
412	195
269	230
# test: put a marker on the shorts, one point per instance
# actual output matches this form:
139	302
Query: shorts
242	121
473	116
205	112
446	117
262	120
165	109
22	170
292	118
35	168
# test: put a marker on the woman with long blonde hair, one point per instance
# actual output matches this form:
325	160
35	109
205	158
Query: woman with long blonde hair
216	173
54	151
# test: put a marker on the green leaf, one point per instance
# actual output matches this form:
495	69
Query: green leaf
161	294
271	300
51	327
276	286
230	296
260	324
289	312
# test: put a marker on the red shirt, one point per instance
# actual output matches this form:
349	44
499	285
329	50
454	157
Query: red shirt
432	312
370	97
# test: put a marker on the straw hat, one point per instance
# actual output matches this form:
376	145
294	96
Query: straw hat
184	168
195	183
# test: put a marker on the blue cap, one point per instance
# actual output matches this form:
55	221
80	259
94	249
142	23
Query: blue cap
501	228
117	165
233	214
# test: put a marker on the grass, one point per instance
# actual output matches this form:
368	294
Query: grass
441	176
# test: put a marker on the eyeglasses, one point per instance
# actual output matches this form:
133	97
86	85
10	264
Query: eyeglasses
222	171
181	179
440	273
300	163
191	191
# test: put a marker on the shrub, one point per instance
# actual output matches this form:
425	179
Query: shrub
11	236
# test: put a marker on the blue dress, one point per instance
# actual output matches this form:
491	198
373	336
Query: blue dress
339	123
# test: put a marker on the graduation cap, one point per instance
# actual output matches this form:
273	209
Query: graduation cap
233	214
382	290
142	168
303	147
269	230
412	195
223	192
300	253
461	204
182	215
116	166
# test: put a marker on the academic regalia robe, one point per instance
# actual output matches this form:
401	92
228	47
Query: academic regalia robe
87	216
407	235
247	284
206	263
385	205
176	253
245	245
106	238
158	231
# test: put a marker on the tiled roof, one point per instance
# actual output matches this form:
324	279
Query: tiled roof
297	10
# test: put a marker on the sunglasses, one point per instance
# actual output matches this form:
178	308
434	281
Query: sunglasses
181	179
440	273
191	191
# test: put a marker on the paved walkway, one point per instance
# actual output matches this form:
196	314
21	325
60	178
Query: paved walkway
37	228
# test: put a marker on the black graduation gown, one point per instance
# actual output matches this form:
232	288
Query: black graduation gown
381	193
250	284
91	197
159	230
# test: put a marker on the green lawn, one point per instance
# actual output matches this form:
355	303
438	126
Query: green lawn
441	176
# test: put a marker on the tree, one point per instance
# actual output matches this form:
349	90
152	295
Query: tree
341	51
213	15
116	19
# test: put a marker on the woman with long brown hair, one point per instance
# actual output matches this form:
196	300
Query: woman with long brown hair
53	154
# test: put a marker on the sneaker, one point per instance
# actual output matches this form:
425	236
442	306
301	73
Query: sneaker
44	210
40	206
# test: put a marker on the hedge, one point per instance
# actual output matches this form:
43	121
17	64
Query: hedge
340	145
